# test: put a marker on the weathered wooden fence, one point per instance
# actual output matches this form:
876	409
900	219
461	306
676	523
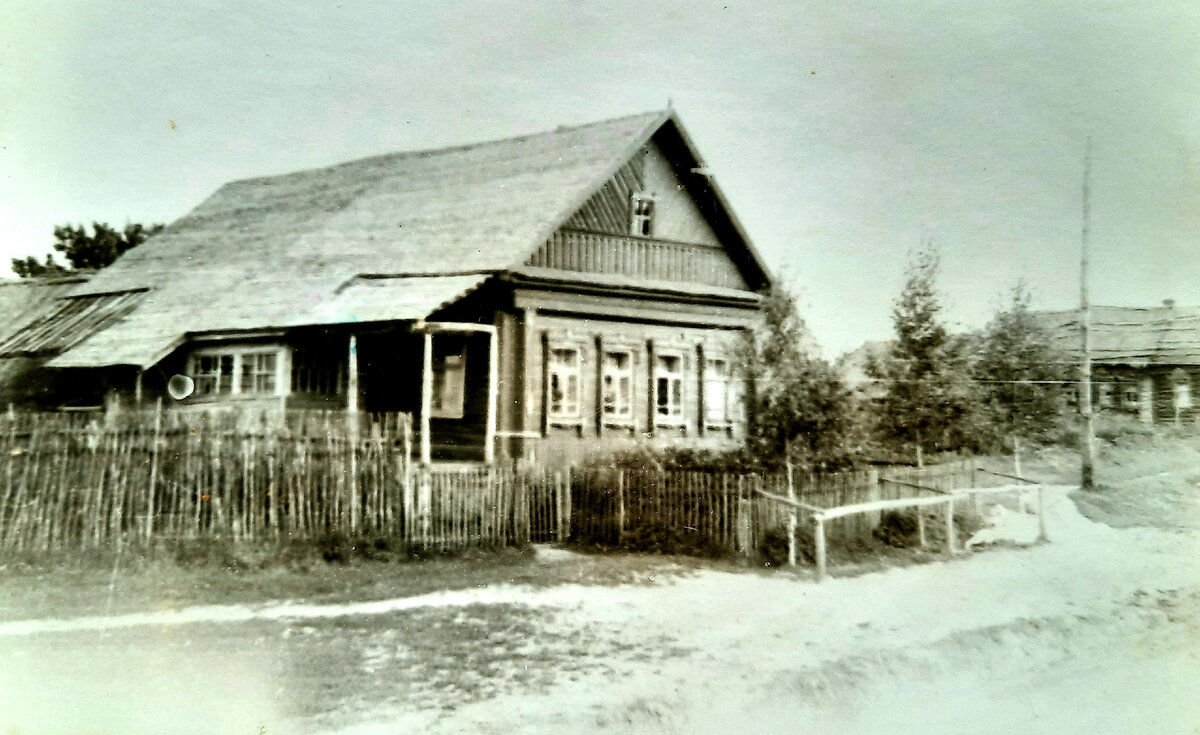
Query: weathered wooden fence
90	481
732	510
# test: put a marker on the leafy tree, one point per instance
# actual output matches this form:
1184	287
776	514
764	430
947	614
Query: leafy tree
798	408
84	250
927	398
1017	371
31	267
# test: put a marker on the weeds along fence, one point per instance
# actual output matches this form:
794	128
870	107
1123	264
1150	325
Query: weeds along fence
732	511
89	481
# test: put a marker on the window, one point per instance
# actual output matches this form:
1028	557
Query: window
717	392
1105	395
318	370
668	389
213	374
1183	389
641	214
449	377
564	373
1132	395
228	372
617	385
258	372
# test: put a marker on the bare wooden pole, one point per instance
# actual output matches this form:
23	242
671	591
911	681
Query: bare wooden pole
819	542
426	398
1087	438
489	440
352	429
791	493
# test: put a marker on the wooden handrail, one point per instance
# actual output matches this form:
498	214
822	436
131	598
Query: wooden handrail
1011	477
914	485
789	501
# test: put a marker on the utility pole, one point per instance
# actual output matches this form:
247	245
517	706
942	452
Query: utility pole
1087	438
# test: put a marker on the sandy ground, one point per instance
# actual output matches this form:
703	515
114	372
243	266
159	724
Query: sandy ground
1097	632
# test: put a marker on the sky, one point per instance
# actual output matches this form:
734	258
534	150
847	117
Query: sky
843	134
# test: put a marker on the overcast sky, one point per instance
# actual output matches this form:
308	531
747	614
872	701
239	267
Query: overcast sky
843	134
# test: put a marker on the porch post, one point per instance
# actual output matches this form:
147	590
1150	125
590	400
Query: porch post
352	382
489	436
426	396
352	426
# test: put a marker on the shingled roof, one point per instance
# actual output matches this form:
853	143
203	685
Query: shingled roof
288	250
1136	337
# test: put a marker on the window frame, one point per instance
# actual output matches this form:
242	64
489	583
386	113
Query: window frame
442	386
564	416
1181	389
729	411
628	416
237	355
670	418
642	210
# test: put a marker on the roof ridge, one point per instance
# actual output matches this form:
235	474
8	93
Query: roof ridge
648	116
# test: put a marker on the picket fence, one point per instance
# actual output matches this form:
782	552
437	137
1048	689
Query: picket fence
89	481
730	509
72	482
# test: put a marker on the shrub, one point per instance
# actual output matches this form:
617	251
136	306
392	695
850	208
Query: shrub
658	539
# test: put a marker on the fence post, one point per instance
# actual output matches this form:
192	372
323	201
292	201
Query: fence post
620	504
921	525
819	541
560	505
744	530
153	470
791	489
1041	501
950	542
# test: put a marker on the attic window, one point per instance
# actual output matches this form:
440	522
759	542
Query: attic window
641	214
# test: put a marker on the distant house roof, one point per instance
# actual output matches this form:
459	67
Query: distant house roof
1136	337
289	250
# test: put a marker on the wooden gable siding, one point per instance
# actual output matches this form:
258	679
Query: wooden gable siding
684	247
608	209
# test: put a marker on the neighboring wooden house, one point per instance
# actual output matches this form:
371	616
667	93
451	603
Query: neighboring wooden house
549	295
1146	361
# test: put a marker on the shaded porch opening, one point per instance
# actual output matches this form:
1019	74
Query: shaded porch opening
442	374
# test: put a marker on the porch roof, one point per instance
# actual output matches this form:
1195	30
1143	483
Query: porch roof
371	298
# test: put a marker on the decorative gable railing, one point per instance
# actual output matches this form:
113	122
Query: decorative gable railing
638	257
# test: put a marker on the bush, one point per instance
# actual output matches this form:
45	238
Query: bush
657	539
898	529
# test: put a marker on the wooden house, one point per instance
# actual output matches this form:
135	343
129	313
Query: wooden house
1146	361
548	296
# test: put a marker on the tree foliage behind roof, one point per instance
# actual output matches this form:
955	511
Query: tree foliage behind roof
85	250
1018	371
800	409
928	394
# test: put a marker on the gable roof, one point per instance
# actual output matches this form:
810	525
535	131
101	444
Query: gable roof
275	252
1136	337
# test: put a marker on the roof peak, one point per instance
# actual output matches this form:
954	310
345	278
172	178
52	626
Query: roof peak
653	116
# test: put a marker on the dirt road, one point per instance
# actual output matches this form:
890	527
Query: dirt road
1097	632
